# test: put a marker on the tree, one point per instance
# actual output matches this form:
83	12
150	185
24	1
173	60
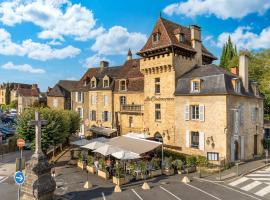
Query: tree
14	104
229	53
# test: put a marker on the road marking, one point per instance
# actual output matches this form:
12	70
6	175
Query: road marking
230	189
203	191
263	191
170	193
251	185
255	174
237	182
103	195
260	179
3	179
136	194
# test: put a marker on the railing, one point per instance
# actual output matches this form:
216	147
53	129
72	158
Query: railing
131	108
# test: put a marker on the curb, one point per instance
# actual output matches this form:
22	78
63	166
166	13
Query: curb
250	171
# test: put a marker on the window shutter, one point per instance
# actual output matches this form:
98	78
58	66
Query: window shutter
236	121
187	138
109	116
201	141
242	147
186	112
82	112
232	149
201	111
95	100
102	116
241	114
261	116
91	115
76	96
82	97
253	114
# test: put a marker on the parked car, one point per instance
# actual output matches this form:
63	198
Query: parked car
13	112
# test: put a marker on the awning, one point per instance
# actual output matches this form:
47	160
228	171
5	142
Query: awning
81	142
102	130
107	149
126	155
96	143
136	145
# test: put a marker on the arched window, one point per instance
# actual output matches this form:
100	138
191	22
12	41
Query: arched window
158	137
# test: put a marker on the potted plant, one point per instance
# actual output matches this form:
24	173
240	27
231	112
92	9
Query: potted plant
143	168
81	164
90	165
179	166
168	170
102	172
191	164
119	177
155	168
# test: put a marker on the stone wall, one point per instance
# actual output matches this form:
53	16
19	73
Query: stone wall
60	104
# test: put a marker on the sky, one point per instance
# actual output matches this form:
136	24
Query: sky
44	41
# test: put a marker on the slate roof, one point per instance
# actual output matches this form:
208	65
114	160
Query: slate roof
63	88
26	92
214	81
15	85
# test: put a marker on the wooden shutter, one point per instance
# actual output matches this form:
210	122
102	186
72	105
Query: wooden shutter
261	116
186	112
242	147
82	112
201	112
90	115
201	141
109	116
82	97
76	96
236	121
232	149
241	114
187	138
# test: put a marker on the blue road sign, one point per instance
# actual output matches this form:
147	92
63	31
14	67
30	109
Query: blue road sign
19	177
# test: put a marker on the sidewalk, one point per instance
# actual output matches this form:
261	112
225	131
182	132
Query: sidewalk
243	169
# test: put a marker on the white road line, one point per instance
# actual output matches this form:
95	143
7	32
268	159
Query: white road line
103	195
263	175
251	185
203	191
260	179
263	191
136	194
238	181
170	193
1	181
230	188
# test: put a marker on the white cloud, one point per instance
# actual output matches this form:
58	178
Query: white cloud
57	18
117	40
223	9
23	68
94	61
245	39
33	50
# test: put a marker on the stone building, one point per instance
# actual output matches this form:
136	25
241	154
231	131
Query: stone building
175	94
59	97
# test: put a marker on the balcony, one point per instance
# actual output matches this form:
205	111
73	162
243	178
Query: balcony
131	108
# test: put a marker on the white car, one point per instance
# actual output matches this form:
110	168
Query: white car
13	112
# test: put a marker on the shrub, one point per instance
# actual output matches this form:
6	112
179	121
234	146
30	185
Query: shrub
119	172
179	164
101	163
90	161
266	143
202	161
155	164
191	161
168	162
80	156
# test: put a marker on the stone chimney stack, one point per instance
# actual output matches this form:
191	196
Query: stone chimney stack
104	64
34	86
129	55
243	69
196	42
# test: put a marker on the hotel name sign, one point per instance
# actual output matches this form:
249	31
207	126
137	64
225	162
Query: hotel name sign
154	98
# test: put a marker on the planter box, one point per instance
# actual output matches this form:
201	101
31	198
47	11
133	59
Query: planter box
181	171
168	172
103	174
81	165
155	173
190	169
91	169
73	162
120	181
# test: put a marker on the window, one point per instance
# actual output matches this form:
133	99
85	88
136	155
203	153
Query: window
212	156
182	37
93	100
254	114
122	100
106	100
93	84
80	111
157	85
238	86
123	85
55	102
195	86
195	114
105	116
79	97
93	115
156	37
157	112
130	122
105	83
195	139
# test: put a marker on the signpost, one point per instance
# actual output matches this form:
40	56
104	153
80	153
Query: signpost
19	179
20	144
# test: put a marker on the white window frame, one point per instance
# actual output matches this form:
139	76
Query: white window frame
106	100
79	94
120	85
81	113
106	79
193	86
123	100
196	117
93	99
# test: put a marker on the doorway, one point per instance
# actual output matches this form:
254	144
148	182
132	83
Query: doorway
255	144
236	150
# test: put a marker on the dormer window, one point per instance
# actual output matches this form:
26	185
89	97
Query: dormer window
123	85
106	82
255	89
237	86
195	86
93	82
156	37
182	38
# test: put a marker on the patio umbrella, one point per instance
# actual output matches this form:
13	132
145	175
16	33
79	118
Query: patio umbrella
107	149
125	155
81	142
96	143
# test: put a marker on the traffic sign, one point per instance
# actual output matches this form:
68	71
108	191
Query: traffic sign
19	178
20	143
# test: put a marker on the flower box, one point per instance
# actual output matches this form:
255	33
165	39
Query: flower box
120	181
168	172
155	173
103	174
81	165
91	169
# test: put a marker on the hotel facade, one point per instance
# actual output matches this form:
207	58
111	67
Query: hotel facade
175	94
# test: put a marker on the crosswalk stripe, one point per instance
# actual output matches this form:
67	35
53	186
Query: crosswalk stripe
251	185
237	182
264	175
263	191
260	179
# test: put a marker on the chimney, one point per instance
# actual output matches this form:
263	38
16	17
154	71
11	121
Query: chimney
129	55
104	64
243	69
234	71
34	86
196	42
